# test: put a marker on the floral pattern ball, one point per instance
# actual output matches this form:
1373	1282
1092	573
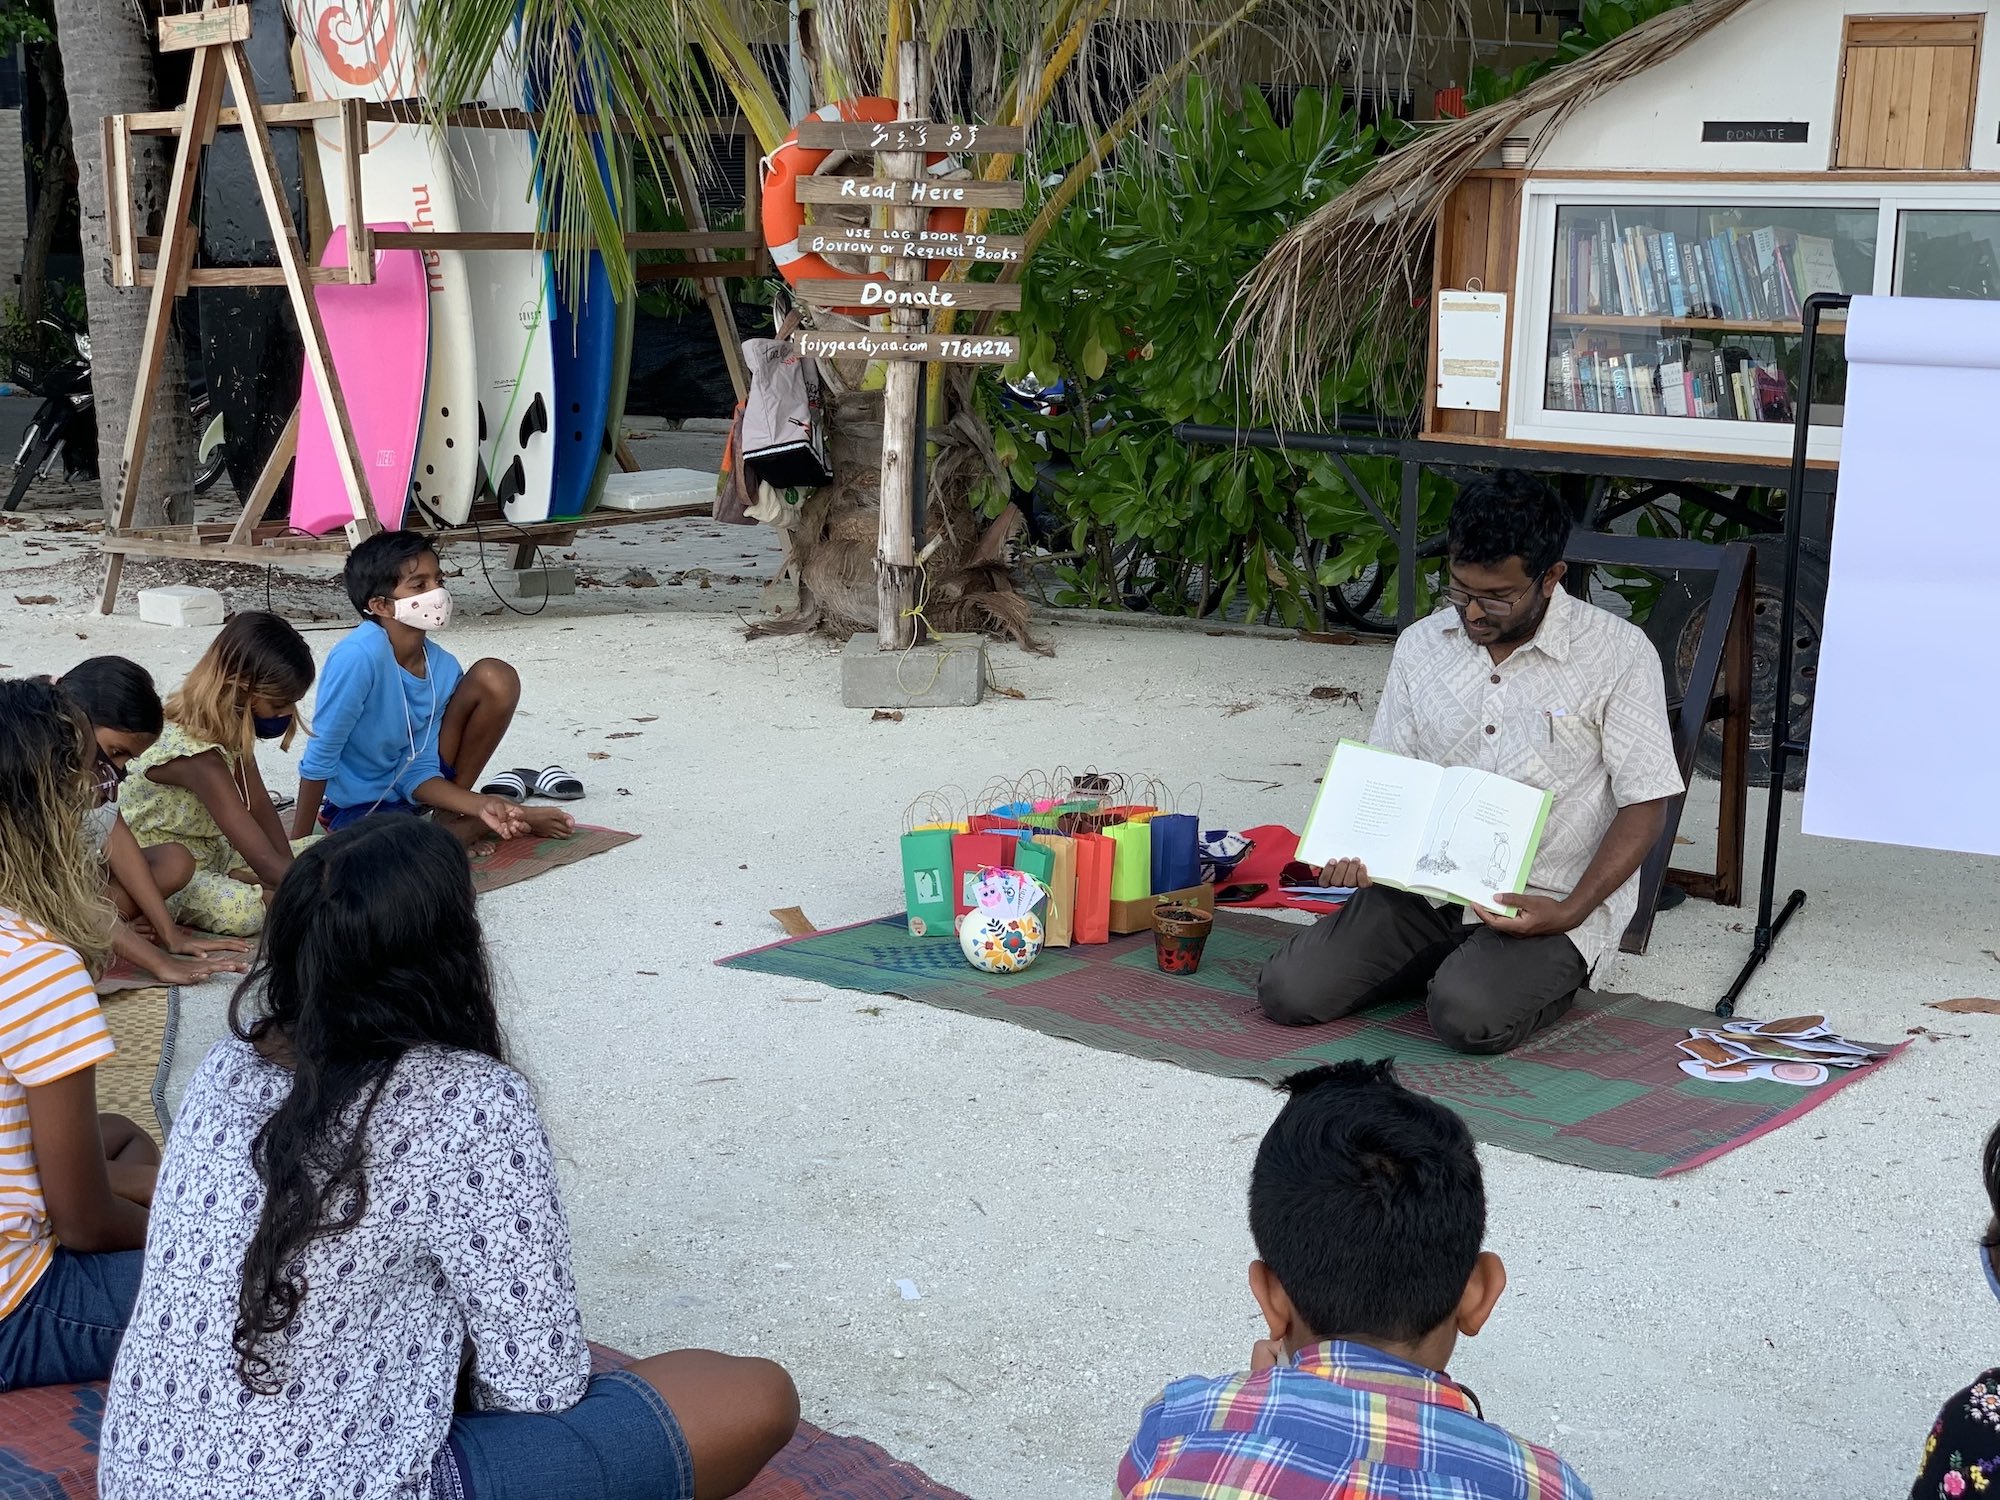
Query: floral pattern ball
1000	945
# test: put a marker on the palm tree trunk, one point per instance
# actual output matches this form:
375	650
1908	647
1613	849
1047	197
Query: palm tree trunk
108	68
52	202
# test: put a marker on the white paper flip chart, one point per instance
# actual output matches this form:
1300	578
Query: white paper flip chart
1905	738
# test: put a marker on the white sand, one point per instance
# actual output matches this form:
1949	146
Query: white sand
754	1163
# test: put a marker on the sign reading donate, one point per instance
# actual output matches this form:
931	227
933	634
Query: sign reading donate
1744	132
923	295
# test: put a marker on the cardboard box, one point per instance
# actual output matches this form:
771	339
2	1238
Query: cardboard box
1137	916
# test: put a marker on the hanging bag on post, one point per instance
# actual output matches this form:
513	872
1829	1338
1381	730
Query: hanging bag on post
784	430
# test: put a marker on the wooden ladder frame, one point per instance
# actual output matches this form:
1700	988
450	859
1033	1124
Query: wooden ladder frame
215	35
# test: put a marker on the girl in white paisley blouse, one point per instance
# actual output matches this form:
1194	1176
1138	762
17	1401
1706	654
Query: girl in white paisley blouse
357	1281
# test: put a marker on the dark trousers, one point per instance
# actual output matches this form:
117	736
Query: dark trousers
1484	991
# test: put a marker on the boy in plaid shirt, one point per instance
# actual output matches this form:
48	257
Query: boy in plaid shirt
1368	1211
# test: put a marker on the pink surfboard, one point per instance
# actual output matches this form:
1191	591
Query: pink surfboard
379	337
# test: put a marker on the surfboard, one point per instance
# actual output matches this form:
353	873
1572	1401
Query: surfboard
621	344
250	348
583	331
494	180
364	49
379	338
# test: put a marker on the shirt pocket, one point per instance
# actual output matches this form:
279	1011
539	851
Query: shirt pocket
1571	747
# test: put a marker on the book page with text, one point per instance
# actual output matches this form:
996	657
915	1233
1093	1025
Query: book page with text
1373	806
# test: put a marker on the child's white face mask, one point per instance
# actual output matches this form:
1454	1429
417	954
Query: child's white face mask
431	611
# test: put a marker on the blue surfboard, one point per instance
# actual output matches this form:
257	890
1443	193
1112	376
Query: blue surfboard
584	330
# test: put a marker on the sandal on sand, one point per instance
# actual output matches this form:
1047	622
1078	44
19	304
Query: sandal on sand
557	785
513	785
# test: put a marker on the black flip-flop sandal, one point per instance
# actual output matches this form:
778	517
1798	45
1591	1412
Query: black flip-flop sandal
558	785
514	785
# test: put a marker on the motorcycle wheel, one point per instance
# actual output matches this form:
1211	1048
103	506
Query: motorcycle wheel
30	468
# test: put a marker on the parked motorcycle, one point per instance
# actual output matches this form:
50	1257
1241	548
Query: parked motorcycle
64	427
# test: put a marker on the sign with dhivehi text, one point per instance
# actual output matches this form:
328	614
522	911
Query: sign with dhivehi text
928	136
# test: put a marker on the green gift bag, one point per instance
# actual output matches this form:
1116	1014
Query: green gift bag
1038	860
1132	861
927	881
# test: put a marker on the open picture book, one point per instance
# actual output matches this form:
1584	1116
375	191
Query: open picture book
1450	832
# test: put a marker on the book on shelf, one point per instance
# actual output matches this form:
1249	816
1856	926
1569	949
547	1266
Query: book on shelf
1608	267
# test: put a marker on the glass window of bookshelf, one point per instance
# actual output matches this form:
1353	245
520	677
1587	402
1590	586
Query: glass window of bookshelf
1692	311
1949	253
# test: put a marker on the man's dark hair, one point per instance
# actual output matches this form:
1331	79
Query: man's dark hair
115	693
1367	1204
374	567
1508	514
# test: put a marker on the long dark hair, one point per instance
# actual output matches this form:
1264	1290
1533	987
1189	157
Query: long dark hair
372	948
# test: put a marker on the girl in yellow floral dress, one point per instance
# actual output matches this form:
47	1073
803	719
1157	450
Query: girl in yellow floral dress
198	785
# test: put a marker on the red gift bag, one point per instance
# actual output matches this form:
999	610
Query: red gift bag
971	853
1091	915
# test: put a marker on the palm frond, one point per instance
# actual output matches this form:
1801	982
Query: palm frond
1356	274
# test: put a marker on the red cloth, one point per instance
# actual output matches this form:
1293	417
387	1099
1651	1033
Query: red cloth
1272	848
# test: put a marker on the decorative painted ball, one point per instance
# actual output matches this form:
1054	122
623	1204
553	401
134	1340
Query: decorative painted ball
1000	945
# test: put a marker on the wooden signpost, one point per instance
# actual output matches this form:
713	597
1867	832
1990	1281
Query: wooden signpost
908	150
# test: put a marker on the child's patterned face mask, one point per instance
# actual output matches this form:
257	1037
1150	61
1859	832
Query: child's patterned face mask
428	611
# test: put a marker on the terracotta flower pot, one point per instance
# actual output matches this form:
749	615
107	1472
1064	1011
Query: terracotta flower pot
1179	935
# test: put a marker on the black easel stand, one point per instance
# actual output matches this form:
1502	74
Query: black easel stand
1783	747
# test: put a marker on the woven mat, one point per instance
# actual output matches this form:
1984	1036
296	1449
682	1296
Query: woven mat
143	1023
48	1451
497	865
1599	1089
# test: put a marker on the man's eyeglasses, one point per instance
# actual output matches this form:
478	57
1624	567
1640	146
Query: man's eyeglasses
1494	607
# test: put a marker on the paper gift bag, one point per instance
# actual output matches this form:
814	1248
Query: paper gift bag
1176	851
1132	867
986	822
927	880
1091	913
970	853
1058	926
1036	859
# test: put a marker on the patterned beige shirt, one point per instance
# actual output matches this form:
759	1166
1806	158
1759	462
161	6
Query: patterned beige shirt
1580	710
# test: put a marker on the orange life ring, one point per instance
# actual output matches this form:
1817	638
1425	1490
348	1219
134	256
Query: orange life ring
784	217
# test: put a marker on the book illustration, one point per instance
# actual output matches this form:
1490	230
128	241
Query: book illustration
1801	1051
1455	833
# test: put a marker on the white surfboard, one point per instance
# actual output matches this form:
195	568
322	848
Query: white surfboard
364	49
494	181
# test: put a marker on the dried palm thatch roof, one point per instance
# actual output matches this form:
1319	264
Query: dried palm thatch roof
1356	274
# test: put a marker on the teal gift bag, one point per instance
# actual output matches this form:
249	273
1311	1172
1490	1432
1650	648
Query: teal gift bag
927	893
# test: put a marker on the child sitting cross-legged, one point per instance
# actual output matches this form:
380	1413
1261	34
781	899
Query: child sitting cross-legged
401	726
198	785
358	1281
1368	1211
73	1183
126	719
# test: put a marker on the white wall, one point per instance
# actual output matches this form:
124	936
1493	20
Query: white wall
1774	60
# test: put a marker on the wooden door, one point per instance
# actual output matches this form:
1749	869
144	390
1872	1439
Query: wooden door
1908	85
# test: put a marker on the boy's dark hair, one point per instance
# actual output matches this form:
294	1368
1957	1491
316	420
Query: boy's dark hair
115	693
1508	514
1367	1204
374	567
1989	1166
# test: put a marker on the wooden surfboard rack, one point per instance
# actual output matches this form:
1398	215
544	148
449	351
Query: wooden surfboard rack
163	265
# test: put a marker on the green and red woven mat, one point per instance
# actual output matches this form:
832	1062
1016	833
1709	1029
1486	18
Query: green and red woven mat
1600	1089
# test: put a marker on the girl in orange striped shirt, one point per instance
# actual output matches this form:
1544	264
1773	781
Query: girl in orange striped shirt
74	1184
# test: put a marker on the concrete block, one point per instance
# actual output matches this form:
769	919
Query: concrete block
180	604
707	424
946	673
536	583
656	489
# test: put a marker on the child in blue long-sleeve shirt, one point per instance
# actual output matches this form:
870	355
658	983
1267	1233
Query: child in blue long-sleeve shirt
399	725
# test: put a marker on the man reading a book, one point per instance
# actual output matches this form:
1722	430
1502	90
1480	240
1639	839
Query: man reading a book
1519	678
